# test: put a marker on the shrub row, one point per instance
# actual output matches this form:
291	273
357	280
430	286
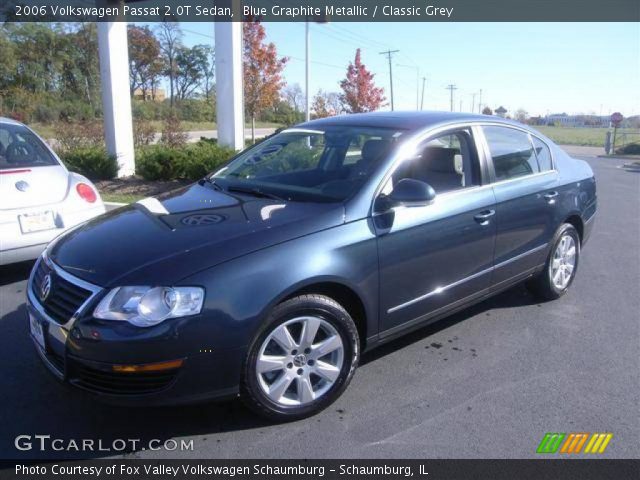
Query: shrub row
191	162
92	162
153	162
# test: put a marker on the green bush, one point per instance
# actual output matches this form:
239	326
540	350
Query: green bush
191	162
93	162
630	149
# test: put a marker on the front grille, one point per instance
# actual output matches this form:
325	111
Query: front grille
64	299
118	383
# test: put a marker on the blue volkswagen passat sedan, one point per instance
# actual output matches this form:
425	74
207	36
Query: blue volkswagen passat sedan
269	277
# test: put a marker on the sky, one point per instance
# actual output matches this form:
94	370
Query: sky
539	67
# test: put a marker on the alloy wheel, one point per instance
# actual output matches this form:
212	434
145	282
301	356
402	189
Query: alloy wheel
563	262
300	360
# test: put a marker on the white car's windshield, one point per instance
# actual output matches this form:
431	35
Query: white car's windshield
325	164
20	148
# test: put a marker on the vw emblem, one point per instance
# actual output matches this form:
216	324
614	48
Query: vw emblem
45	287
22	186
198	219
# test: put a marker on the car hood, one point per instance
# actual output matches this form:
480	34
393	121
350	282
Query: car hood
161	240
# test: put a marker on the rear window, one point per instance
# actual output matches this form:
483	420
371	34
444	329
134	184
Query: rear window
20	148
512	153
543	153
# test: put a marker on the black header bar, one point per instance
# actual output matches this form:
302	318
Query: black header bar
321	10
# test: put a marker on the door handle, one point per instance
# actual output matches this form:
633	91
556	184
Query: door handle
483	217
550	196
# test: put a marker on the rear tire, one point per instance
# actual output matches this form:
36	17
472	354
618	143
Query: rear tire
302	360
561	266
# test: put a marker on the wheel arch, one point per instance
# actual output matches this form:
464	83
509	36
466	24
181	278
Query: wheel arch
345	295
576	220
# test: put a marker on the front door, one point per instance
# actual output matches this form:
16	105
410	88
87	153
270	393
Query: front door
436	255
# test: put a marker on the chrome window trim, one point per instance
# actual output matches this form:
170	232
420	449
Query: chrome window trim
35	302
482	150
465	279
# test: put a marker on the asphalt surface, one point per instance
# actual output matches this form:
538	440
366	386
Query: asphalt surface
487	382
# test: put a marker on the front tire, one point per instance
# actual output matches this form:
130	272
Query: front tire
301	360
561	266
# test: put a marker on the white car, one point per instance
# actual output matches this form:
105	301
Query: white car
39	197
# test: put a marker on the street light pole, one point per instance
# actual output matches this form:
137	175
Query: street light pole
424	80
307	111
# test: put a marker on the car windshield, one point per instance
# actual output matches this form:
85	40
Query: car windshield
326	164
19	148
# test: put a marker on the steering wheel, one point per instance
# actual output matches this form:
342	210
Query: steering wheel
19	152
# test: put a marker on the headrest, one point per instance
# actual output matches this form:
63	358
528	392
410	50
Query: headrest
372	150
440	159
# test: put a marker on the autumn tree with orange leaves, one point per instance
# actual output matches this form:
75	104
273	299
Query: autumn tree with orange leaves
262	72
360	93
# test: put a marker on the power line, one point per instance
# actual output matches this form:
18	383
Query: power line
389	54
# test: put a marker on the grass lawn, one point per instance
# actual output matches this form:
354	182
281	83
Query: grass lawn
578	135
121	197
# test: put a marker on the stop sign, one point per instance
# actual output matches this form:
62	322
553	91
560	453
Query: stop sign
616	118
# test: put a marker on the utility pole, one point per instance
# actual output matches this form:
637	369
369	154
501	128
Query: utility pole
460	105
480	102
473	102
451	87
424	79
389	54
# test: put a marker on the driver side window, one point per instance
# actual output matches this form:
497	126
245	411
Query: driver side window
447	162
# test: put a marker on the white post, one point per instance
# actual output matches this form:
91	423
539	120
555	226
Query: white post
116	101
307	43
229	84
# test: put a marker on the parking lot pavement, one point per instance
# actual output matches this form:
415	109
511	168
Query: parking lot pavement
487	382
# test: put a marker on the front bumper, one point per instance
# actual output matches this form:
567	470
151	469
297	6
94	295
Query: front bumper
206	375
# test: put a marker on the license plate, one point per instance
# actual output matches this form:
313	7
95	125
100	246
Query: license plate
37	331
37	222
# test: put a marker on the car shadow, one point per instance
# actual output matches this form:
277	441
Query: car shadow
15	272
517	296
33	402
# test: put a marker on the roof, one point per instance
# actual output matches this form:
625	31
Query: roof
405	120
501	109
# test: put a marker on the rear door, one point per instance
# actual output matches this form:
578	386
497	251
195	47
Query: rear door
525	202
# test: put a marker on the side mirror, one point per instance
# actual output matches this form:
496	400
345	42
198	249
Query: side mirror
411	192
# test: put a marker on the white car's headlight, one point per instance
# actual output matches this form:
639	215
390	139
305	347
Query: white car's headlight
148	306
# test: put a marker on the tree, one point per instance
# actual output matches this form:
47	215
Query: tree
191	64
170	37
209	72
295	97
326	104
263	79
145	65
521	115
487	111
360	93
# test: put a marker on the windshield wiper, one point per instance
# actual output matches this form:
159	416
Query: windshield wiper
253	191
210	181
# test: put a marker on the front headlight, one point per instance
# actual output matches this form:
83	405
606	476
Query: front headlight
148	306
